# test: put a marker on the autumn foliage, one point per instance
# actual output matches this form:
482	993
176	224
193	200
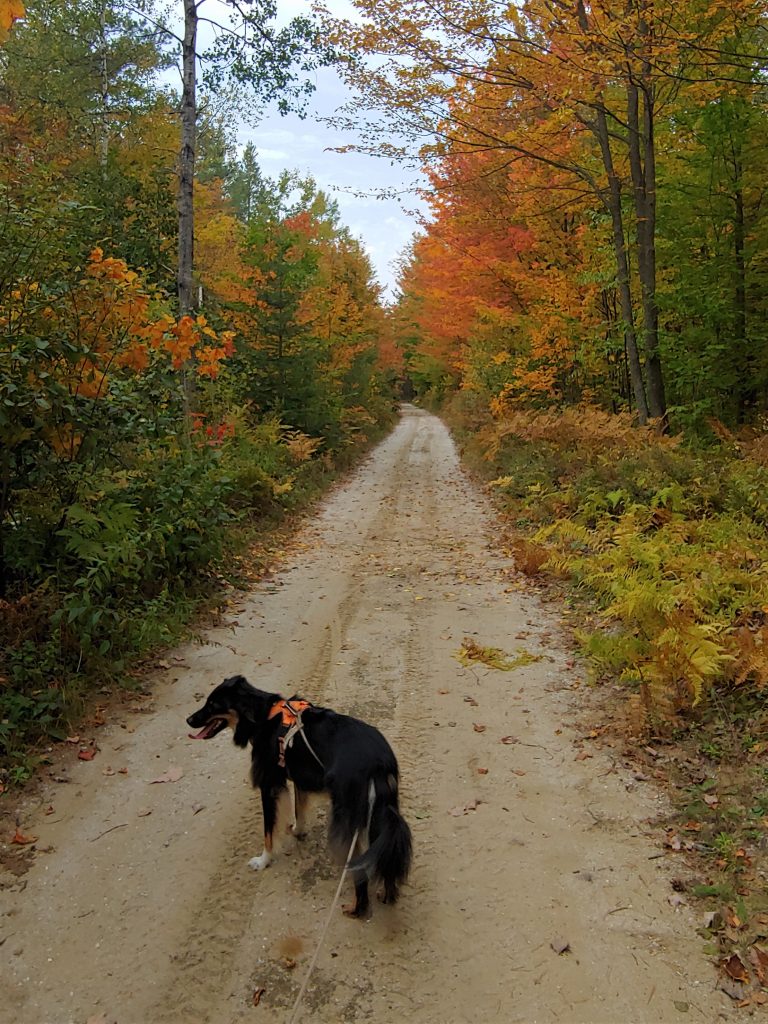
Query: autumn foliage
586	300
136	443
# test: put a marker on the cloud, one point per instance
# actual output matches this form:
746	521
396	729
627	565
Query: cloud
355	181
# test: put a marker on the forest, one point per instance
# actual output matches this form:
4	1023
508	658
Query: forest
142	436
586	301
191	349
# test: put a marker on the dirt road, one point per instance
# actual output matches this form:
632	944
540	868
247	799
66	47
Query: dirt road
143	910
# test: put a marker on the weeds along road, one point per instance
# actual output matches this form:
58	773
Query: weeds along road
534	896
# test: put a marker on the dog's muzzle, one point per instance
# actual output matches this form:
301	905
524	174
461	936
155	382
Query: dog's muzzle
211	728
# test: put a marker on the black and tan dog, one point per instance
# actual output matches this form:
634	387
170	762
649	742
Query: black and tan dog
320	751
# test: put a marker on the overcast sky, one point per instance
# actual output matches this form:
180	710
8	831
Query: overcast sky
351	179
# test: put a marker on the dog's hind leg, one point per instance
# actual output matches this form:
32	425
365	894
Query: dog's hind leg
300	802
362	902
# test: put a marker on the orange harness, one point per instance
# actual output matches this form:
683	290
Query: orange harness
290	712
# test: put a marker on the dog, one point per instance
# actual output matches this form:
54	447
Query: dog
320	751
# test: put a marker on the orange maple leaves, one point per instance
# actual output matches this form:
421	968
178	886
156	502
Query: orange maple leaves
10	11
126	333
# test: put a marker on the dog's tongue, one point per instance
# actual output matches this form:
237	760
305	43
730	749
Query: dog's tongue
203	734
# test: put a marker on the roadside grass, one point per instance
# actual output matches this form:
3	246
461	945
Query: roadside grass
139	565
661	544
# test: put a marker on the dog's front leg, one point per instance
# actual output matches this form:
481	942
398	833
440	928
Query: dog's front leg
269	802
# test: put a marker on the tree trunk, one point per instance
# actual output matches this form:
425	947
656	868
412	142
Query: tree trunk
104	140
185	280
642	163
613	203
745	368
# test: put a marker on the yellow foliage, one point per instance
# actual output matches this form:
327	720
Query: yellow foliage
301	447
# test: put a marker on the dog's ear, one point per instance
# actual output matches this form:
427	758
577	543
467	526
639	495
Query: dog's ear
243	731
244	698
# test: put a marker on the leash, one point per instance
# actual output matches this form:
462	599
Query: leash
303	989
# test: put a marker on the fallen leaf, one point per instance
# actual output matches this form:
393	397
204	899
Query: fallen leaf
122	771
711	800
459	810
443	692
732	919
734	968
257	994
482	771
582	756
493	657
478	728
673	842
86	754
509	739
144	812
518	771
470	700
560	946
759	959
108	770
50	809
72	739
288	963
196	808
21	840
172	775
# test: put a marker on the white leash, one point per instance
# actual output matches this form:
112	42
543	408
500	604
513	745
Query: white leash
303	989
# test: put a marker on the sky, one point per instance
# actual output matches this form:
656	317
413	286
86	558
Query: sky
289	143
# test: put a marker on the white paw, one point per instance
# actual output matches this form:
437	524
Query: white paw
261	862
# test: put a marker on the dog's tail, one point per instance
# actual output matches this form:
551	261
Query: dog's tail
388	857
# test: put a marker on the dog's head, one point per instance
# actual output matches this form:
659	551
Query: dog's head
234	703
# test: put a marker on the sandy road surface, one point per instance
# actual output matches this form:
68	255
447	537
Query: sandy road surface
144	910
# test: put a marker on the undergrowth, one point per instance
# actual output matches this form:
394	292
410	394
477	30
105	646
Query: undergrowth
121	567
667	536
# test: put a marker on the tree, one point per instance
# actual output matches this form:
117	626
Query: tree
263	61
535	82
92	66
